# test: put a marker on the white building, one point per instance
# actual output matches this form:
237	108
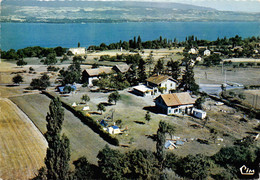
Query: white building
199	113
207	52
198	58
176	103
88	75
142	90
193	51
78	51
113	130
167	83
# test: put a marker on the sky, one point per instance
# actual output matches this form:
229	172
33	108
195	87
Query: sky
223	5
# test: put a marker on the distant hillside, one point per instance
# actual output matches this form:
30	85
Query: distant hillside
112	11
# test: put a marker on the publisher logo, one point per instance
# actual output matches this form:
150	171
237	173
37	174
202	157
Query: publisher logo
245	171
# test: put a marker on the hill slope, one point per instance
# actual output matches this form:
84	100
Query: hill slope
112	11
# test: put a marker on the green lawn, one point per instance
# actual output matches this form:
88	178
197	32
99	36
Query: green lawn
83	141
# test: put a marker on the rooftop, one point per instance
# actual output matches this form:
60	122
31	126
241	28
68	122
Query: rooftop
122	67
177	99
98	71
142	88
158	79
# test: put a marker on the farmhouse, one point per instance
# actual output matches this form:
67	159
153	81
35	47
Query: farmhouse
88	75
175	103
166	83
122	68
78	51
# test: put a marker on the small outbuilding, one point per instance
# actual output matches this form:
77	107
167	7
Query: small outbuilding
170	145
142	90
113	130
199	113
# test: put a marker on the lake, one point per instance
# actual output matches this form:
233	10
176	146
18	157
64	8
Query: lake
21	35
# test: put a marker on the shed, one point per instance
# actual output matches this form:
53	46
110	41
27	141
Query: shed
199	113
170	145
86	108
114	130
179	143
142	90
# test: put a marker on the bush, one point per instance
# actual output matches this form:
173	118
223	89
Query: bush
85	84
194	167
52	68
31	69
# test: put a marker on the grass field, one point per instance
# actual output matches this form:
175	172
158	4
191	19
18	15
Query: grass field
83	141
139	135
252	97
23	147
214	75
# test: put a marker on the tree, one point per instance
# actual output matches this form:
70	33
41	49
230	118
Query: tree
160	142
241	96
161	139
21	62
78	59
41	83
150	61
17	79
85	98
83	169
188	81
142	164
194	167
115	96
199	102
58	151
223	88
159	67
111	162
50	59
147	116
64	58
174	68
101	107
72	74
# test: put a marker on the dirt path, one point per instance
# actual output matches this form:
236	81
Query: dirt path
22	146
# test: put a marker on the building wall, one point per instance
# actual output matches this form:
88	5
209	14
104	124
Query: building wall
78	51
172	110
170	85
90	80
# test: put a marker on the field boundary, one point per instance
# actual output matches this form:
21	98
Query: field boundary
235	105
91	123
